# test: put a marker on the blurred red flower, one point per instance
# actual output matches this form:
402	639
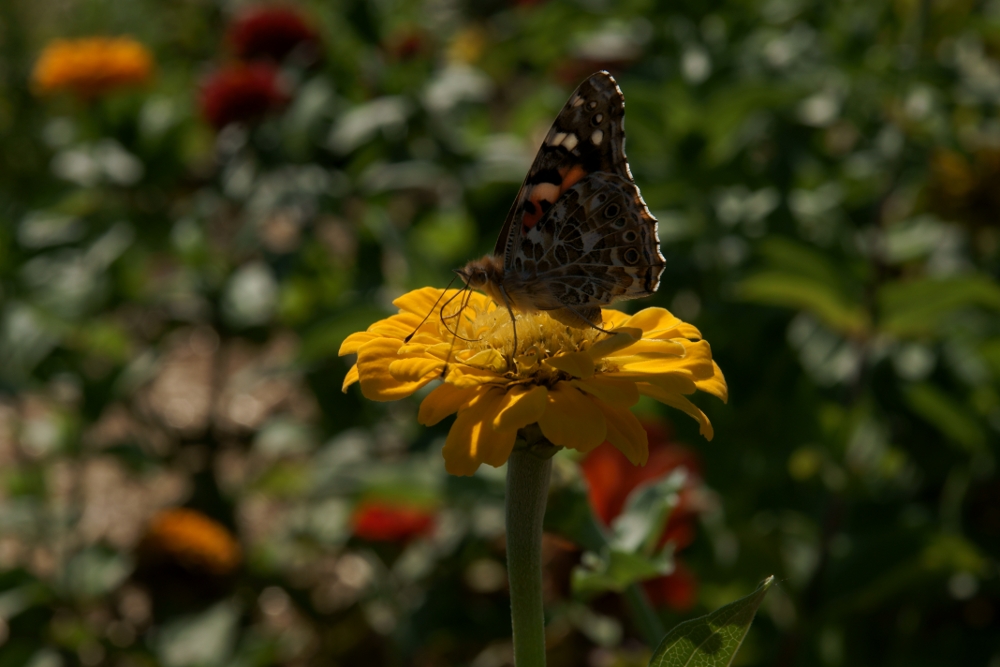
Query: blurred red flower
611	478
271	32
406	44
382	521
678	590
241	93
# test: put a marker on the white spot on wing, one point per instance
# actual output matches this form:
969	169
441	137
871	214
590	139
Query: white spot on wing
570	142
598	117
597	137
577	101
590	239
558	139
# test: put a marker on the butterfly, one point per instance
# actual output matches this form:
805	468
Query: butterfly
578	236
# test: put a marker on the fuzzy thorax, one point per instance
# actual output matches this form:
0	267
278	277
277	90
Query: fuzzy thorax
486	274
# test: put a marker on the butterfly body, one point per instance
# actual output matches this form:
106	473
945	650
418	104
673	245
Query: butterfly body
578	236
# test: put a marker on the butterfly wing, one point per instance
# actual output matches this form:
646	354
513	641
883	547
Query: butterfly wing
596	245
587	137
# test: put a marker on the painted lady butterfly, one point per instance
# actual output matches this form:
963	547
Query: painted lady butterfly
579	235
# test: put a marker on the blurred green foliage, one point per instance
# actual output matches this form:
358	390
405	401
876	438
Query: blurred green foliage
174	295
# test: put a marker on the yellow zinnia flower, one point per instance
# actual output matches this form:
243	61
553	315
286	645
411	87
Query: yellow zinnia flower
91	66
576	384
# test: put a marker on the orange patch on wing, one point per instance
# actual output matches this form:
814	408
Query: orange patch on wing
570	177
539	193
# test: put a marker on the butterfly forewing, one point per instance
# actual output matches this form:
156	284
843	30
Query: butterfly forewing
579	235
586	137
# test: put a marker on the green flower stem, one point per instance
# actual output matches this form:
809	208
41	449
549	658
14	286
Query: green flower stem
642	613
528	475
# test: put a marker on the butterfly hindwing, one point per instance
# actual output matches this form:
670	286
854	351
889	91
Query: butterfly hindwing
596	245
586	137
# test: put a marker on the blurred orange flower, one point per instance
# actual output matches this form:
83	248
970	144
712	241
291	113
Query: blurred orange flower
383	521
611	478
241	93
91	66
270	32
193	540
963	188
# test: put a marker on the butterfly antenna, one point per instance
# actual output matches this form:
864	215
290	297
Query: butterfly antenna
463	305
455	336
414	332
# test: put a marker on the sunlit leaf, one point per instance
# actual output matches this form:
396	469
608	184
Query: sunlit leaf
713	640
615	570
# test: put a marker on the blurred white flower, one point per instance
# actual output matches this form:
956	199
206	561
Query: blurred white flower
251	295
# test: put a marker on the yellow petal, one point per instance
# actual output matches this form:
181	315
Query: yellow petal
696	362
468	376
678	382
351	377
715	385
446	399
522	406
422	343
682	330
353	342
489	359
654	319
471	440
421	301
621	339
654	348
377	384
657	322
611	318
414	369
398	326
681	403
617	392
626	433
661	323
570	419
577	364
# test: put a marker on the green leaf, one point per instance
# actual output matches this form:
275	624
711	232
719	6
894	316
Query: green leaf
919	307
639	527
712	640
615	570
778	288
628	554
800	277
947	415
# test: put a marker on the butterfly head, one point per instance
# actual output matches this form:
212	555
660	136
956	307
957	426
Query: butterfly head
482	274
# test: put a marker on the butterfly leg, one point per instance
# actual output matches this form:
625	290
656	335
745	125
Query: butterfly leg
579	318
513	325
